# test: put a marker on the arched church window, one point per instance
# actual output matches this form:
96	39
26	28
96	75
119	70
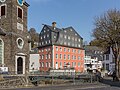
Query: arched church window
1	52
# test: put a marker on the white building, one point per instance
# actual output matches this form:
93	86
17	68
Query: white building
108	60
92	63
93	58
34	61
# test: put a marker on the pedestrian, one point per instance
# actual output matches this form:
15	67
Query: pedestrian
98	75
114	75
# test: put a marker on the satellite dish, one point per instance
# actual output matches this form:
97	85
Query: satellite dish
2	1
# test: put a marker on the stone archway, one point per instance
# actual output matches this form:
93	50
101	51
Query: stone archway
20	65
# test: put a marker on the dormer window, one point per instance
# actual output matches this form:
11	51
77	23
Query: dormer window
20	13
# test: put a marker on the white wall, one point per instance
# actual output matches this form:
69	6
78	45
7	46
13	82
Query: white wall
34	62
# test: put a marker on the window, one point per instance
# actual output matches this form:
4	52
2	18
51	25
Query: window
78	57
65	43
72	57
49	41
2	10
61	64
68	37
44	31
42	56
56	56
56	48
107	57
20	13
46	64
49	56
60	56
60	49
1	52
78	64
20	43
75	39
47	35
79	51
72	64
64	63
68	50
64	49
68	57
41	37
42	64
65	36
68	43
46	56
44	36
49	65
64	56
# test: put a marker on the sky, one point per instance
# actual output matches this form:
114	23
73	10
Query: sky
80	14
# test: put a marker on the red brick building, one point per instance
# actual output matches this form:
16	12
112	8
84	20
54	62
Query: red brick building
60	48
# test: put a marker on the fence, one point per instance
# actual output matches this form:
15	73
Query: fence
38	78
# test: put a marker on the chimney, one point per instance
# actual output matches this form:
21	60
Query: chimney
54	25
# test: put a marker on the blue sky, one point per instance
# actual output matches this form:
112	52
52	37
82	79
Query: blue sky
79	14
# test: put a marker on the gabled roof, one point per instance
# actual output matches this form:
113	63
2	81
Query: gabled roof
2	32
69	28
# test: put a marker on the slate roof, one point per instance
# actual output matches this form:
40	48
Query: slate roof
51	28
2	32
63	29
94	51
64	37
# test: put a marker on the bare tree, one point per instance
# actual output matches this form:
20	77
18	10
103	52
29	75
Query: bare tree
34	37
107	34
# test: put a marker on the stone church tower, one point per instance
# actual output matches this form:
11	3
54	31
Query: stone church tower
14	37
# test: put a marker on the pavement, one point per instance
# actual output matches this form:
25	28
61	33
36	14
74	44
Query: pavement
109	81
106	82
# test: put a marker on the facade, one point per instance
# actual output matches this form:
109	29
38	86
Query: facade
93	58
60	48
108	60
14	46
92	64
34	60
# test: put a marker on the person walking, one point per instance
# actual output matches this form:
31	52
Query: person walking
114	75
98	75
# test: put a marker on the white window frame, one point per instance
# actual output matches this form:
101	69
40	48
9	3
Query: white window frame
17	13
2	52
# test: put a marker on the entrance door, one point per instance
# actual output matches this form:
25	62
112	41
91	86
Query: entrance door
19	65
56	67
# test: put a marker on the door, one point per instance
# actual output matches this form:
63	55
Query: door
56	66
19	65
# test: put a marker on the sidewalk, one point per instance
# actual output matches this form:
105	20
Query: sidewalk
109	81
